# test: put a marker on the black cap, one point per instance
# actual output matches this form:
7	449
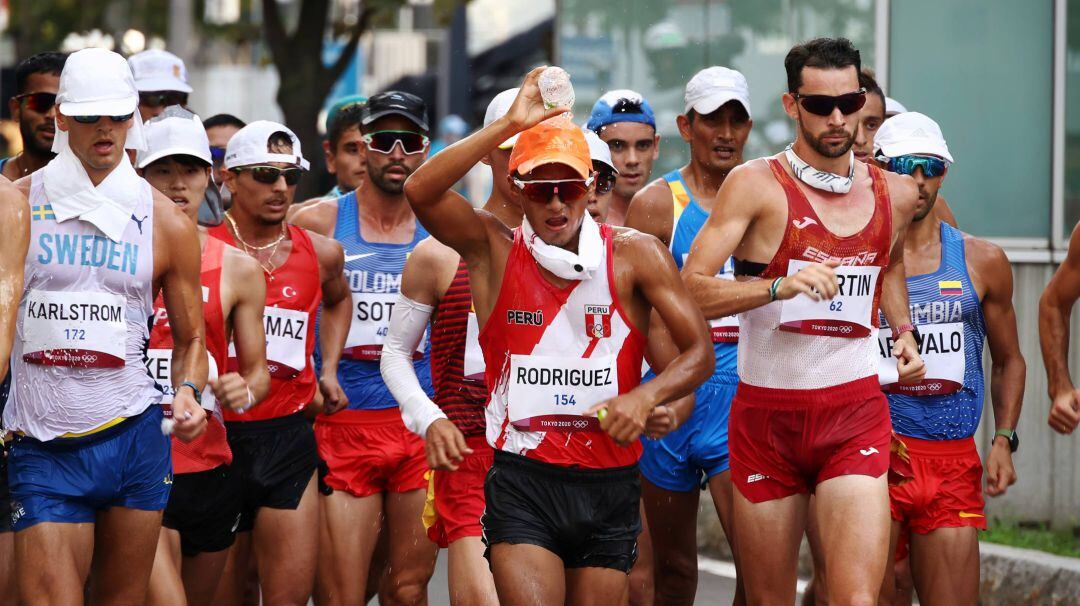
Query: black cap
393	102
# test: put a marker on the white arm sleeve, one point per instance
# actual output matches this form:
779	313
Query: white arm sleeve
407	325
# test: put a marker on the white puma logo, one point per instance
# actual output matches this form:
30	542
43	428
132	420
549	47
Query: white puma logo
806	222
868	451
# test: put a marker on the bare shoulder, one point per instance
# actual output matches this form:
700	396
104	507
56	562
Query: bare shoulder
433	254
329	251
23	184
13	196
903	191
638	247
240	266
985	257
319	216
747	181
493	225
655	196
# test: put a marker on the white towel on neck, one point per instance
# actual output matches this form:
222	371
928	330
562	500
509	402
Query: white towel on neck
562	262
108	206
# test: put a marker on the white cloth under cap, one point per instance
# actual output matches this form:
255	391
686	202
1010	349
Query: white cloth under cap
250	145
498	108
98	82
174	136
561	262
892	107
714	86
910	133
158	70
598	149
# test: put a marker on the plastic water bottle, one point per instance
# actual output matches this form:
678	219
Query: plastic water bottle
555	88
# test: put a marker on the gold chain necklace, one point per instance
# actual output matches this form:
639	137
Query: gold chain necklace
252	251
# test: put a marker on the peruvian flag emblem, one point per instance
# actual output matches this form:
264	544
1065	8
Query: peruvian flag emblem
598	321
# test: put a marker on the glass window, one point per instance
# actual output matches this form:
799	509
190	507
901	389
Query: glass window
1072	117
983	69
656	46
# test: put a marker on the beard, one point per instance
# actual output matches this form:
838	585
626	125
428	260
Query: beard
829	151
925	211
378	178
32	143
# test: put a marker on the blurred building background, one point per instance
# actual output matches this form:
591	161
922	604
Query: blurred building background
1002	78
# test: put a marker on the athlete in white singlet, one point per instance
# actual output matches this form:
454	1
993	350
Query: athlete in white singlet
90	467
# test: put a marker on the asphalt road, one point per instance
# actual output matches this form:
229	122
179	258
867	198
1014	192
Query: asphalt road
716	585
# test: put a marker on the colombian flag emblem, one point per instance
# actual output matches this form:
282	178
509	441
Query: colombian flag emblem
953	288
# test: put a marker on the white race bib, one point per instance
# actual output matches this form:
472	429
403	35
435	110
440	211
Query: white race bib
549	393
941	350
80	329
286	342
159	363
849	314
370	324
474	365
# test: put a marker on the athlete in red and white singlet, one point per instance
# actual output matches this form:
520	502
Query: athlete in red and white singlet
562	306
814	262
273	444
541	344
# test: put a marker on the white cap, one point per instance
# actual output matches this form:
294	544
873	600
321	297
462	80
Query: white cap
176	132
714	86
910	133
157	70
892	107
498	108
98	82
250	146
598	150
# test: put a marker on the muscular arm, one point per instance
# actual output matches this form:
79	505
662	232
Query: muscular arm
177	243
657	280
15	219
248	333
335	319
1055	311
651	211
1008	369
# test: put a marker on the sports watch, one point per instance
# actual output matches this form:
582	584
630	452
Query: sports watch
1010	435
194	390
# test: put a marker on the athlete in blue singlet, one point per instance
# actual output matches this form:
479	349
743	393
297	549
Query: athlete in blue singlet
694	455
960	291
374	465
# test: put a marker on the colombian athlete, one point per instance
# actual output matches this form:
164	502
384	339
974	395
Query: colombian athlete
273	445
376	465
817	239
200	518
90	468
716	125
562	306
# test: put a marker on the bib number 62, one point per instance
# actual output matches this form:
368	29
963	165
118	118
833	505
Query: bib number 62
836	305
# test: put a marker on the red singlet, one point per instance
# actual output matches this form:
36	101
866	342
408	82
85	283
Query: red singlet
293	296
461	398
210	449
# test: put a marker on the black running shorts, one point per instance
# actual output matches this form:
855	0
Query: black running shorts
273	461
204	507
588	517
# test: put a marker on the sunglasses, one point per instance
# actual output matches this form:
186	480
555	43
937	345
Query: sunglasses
823	105
95	119
605	182
906	165
568	190
38	102
163	99
269	174
217	154
383	141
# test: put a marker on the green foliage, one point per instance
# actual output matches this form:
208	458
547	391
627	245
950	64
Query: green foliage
1038	536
